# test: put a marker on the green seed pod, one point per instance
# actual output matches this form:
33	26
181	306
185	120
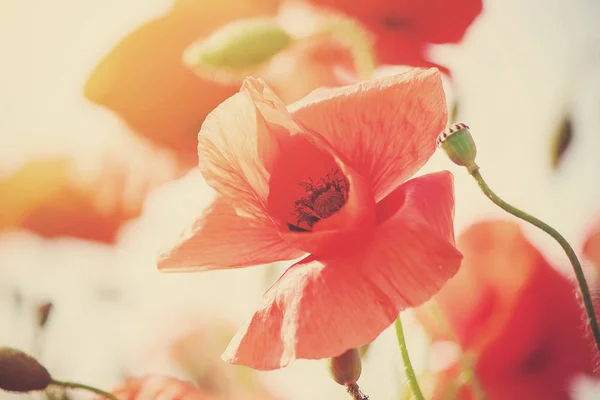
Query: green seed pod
458	144
21	373
346	368
237	46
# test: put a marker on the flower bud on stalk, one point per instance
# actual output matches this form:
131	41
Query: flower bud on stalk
458	144
237	48
21	373
345	369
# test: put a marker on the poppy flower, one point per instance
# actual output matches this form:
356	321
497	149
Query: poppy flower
310	64
41	198
145	82
516	315
404	29
326	179
157	387
58	196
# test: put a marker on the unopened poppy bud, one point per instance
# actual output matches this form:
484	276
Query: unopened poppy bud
21	373
43	313
458	144
346	368
237	46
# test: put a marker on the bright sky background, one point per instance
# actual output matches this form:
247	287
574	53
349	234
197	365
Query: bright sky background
522	65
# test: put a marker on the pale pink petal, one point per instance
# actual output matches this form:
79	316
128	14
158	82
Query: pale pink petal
416	235
238	142
314	311
222	239
385	129
319	309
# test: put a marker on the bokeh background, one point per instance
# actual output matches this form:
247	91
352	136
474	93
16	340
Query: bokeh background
93	189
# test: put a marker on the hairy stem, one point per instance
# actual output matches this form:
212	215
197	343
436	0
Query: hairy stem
583	286
408	368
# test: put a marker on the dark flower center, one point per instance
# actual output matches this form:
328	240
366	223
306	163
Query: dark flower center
322	199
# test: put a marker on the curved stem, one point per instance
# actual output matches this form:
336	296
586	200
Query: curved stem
408	369
583	286
75	385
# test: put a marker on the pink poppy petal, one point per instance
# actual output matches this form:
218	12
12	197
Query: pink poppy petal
385	129
222	239
415	235
239	141
313	311
319	309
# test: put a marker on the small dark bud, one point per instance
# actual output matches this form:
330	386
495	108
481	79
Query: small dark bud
43	313
21	373
561	141
346	368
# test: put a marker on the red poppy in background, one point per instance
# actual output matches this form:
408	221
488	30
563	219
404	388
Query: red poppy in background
516	315
56	197
310	64
42	198
145	82
157	387
327	180
404	28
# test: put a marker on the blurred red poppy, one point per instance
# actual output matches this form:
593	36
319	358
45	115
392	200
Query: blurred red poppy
517	316
404	28
145	82
310	64
58	196
157	387
42	198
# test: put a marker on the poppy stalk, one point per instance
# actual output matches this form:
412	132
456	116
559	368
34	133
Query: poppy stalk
458	144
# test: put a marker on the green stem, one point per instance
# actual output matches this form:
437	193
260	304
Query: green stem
466	361
408	368
583	286
75	385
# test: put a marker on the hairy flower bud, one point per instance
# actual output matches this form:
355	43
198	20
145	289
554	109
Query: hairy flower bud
346	368
458	144
21	373
238	46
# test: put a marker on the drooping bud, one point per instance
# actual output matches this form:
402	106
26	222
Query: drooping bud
562	139
21	373
458	144
43	313
238	46
346	368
